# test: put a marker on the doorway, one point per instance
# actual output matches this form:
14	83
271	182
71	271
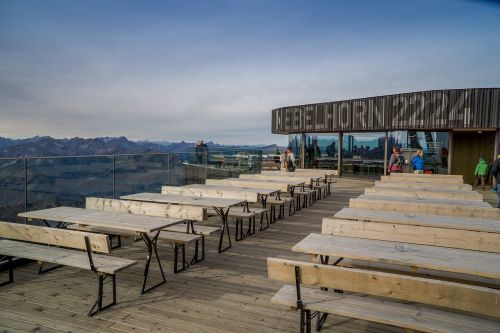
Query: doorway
468	146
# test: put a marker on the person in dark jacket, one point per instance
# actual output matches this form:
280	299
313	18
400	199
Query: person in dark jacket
495	172
418	162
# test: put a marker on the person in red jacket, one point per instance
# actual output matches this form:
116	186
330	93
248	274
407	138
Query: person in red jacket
397	160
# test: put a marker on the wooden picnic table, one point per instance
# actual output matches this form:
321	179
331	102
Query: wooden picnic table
282	185
142	225
220	205
474	263
253	195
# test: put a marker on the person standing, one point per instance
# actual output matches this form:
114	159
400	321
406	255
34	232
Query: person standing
396	161
495	172
317	156
289	160
481	172
418	162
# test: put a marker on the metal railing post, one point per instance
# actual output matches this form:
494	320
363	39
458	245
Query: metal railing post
25	185
114	176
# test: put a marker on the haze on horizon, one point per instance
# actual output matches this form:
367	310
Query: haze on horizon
213	70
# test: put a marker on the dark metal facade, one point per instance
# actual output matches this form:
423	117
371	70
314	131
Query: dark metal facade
436	110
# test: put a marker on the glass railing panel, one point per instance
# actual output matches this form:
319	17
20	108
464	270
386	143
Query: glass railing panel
66	181
140	173
185	169
12	199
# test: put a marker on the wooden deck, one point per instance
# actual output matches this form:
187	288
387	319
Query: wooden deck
228	292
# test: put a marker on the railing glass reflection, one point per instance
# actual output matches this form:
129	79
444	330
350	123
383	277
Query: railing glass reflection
37	183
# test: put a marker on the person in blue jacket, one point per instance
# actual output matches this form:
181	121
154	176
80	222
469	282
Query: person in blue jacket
418	162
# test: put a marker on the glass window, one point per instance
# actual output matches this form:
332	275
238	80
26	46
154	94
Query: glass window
434	145
322	151
295	142
363	153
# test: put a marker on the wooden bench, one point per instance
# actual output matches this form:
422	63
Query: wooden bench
257	210
65	249
439	306
304	198
280	203
238	217
176	234
322	190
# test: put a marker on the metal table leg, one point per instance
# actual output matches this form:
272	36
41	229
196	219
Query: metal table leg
225	227
151	244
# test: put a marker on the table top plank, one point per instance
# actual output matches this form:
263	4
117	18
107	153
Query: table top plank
184	200
475	263
122	221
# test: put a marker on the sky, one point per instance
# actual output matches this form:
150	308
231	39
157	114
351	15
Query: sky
213	70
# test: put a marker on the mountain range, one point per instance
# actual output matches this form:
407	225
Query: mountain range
42	146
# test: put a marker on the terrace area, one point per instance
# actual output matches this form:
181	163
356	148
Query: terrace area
227	292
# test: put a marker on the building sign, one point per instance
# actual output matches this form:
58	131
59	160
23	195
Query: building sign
438	109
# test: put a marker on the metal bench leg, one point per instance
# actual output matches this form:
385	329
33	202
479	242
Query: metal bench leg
262	220
151	244
118	245
41	270
321	319
273	214
98	307
11	272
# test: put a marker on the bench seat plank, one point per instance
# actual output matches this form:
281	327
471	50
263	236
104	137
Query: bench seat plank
103	263
178	237
475	263
416	317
